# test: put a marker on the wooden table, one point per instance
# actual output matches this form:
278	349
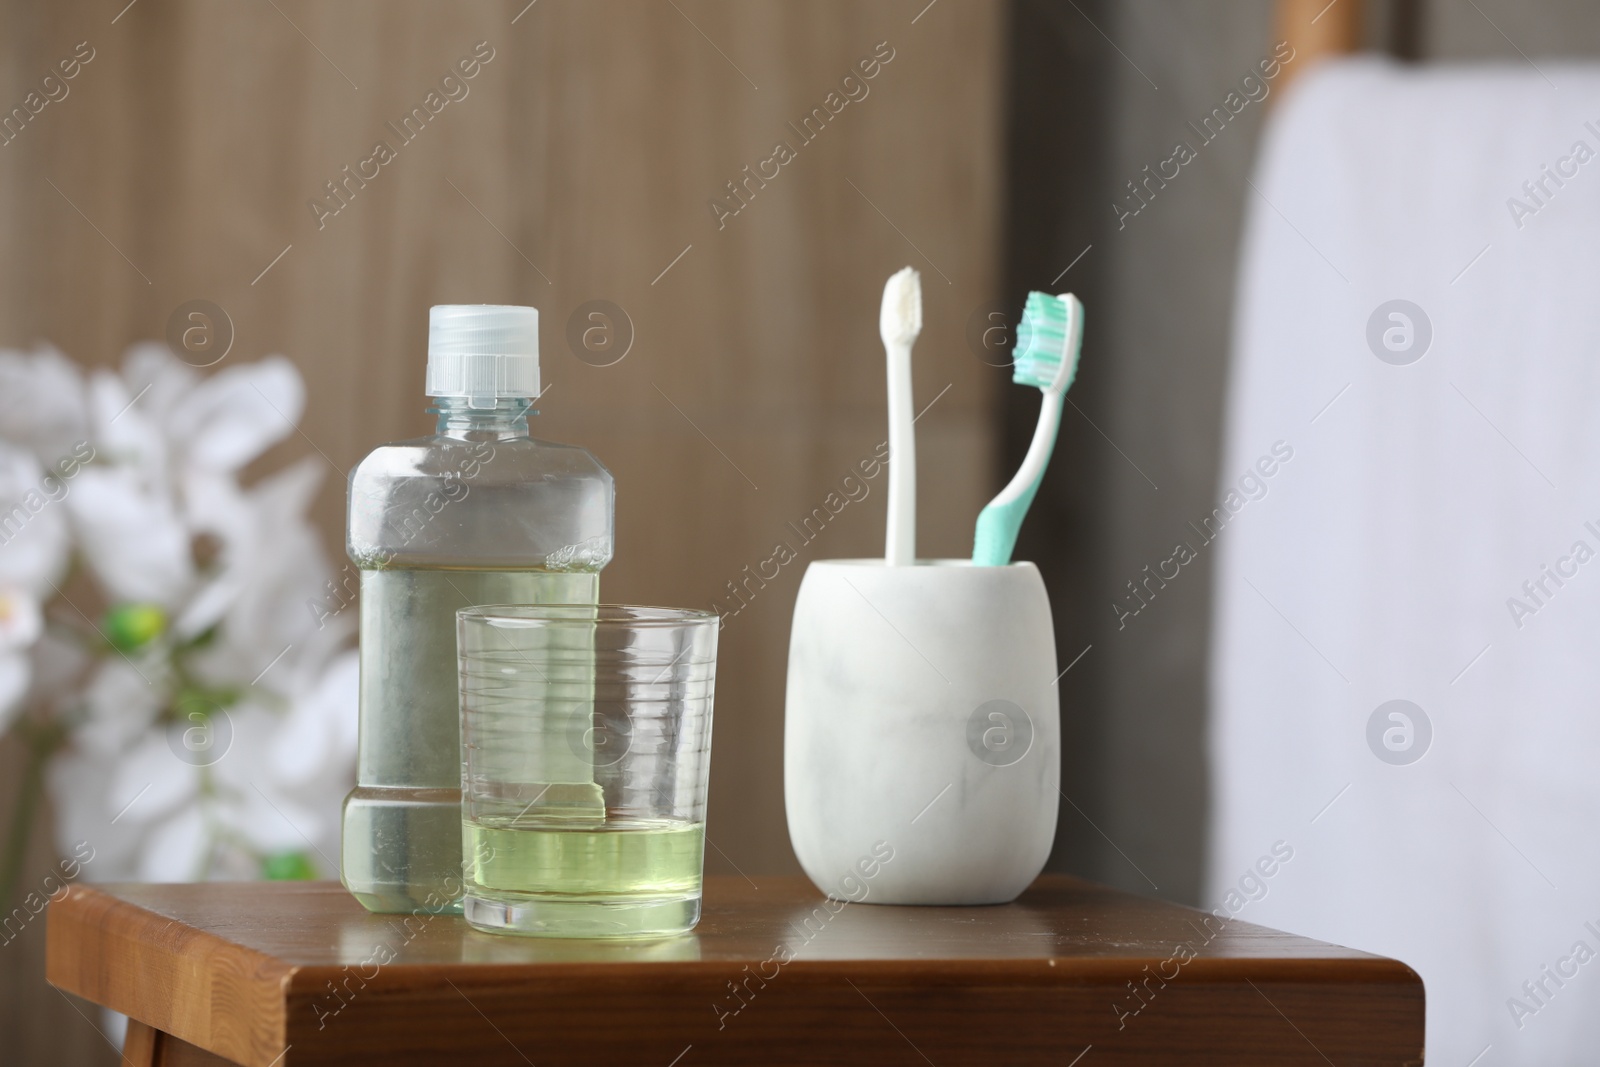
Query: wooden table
296	974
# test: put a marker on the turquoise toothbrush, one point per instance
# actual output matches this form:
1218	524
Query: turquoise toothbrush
1046	357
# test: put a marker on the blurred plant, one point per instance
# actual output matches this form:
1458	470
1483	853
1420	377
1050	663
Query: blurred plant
187	714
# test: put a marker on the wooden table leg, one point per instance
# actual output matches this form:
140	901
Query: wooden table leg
145	1046
139	1047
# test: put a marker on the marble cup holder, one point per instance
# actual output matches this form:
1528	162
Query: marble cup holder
922	738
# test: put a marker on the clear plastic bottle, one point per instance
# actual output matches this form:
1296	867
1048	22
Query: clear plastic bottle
479	513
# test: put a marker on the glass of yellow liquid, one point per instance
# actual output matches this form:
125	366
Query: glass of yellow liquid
585	755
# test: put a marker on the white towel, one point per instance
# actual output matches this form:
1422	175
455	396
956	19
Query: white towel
1388	558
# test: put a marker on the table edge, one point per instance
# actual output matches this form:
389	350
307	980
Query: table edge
90	924
185	958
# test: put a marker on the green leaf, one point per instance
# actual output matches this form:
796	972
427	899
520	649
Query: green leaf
288	867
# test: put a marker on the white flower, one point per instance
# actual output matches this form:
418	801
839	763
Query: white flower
134	539
119	702
229	735
259	809
176	849
33	553
33	533
42	403
270	563
162	415
152	784
172	442
79	782
234	416
20	621
255	781
20	626
318	737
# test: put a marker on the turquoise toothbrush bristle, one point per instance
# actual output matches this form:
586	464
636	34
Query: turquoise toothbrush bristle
1046	358
1042	343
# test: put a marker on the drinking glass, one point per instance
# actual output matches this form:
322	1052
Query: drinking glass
585	753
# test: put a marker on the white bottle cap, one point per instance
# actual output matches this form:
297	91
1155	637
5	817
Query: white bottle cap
483	351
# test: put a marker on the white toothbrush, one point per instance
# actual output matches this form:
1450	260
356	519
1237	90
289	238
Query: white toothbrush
899	323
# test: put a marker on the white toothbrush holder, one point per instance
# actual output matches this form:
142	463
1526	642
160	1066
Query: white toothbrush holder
922	739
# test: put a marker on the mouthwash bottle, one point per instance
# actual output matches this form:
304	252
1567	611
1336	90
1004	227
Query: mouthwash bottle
478	513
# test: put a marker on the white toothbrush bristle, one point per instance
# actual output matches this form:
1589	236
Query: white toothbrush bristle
900	319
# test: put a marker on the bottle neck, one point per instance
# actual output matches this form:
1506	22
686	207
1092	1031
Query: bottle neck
507	418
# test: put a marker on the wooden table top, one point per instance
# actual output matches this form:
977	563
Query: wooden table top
286	974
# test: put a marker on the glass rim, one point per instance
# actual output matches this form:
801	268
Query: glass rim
614	615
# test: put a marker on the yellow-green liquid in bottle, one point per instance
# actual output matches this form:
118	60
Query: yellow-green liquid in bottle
403	822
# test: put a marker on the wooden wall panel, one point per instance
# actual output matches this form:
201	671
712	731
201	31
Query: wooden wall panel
578	167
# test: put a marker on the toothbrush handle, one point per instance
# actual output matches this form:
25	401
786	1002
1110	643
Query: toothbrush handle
900	539
995	537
